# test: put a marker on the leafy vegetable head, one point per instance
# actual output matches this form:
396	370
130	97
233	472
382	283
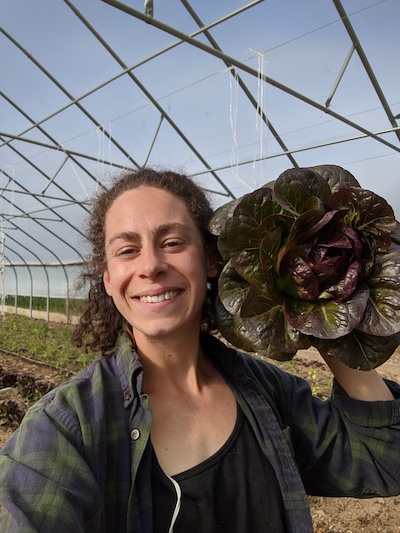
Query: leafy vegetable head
311	259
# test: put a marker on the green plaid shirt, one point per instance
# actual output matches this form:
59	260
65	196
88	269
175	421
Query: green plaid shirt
81	460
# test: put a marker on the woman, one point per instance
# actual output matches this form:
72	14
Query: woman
171	430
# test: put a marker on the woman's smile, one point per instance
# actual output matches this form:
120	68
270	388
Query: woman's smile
157	298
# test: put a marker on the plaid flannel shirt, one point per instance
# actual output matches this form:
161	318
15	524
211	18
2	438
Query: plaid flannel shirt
81	460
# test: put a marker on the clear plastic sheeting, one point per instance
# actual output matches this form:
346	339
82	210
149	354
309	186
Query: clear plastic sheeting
231	93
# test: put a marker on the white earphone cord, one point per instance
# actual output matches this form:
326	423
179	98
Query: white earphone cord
178	504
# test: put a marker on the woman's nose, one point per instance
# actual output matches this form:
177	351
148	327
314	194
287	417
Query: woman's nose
152	262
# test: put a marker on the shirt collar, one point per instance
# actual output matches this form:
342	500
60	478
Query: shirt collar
131	371
129	368
225	358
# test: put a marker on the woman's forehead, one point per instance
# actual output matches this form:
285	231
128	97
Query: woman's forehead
148	209
146	199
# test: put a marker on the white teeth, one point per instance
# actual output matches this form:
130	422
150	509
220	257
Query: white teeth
159	297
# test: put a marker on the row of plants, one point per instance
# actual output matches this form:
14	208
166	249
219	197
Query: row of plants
49	342
27	387
45	342
56	305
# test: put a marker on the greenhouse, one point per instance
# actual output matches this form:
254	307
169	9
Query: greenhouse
231	93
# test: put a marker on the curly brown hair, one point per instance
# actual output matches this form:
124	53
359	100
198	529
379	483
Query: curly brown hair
100	322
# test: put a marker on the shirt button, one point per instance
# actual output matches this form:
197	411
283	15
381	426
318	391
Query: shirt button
135	434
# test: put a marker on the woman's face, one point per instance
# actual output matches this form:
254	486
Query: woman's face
156	270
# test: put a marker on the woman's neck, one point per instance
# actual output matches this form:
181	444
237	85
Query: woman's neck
178	363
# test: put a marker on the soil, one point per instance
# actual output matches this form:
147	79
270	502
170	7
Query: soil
330	515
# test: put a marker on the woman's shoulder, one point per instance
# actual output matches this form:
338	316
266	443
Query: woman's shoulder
80	387
105	374
85	409
253	366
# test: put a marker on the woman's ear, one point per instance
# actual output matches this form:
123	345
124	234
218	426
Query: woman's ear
213	258
107	282
212	268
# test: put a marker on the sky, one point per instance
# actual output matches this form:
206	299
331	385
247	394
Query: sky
181	107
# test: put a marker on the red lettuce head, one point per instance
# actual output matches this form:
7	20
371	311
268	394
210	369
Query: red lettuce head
311	259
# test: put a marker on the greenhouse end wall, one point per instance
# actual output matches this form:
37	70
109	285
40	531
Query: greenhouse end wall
45	291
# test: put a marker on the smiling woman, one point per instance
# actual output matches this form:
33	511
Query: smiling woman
101	322
156	273
172	430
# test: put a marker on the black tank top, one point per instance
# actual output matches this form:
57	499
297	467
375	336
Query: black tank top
234	491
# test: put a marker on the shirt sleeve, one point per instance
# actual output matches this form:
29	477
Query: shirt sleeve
45	484
343	446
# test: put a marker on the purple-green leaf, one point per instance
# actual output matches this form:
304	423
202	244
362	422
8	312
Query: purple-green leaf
231	328
337	177
294	188
382	315
264	322
232	289
359	350
327	319
368	213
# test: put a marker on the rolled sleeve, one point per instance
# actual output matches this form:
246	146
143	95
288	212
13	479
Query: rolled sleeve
369	414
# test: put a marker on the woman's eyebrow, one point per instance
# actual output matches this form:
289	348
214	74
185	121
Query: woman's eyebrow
165	228
159	230
124	235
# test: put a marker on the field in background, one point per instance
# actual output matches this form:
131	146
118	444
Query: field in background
71	306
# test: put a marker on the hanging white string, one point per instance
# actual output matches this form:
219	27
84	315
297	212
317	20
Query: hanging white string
233	115
259	125
109	144
140	130
78	178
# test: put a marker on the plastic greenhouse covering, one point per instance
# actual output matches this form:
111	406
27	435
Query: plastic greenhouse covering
231	93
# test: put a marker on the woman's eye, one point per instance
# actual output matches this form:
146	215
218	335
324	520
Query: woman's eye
172	244
126	251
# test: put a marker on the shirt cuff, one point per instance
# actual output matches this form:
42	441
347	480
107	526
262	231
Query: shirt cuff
368	414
